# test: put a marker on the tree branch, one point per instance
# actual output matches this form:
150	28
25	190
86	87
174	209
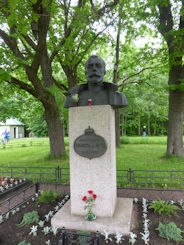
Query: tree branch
106	8
181	24
116	65
60	86
43	25
12	44
78	47
29	41
135	82
166	21
135	74
56	51
23	86
90	44
27	50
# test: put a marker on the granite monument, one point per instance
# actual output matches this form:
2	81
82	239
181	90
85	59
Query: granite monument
93	155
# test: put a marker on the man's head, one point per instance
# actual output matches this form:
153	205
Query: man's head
95	69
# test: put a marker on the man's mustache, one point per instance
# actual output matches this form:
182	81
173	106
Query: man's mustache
94	75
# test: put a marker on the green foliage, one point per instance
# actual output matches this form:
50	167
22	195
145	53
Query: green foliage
24	243
34	116
82	239
164	208
4	75
170	232
48	196
29	218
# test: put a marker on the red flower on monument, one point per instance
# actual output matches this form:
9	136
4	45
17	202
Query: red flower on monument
84	198
89	200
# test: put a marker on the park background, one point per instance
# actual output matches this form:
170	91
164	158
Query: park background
44	46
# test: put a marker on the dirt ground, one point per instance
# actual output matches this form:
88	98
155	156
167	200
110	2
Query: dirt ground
11	234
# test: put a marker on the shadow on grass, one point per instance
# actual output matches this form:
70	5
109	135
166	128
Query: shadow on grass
50	157
167	156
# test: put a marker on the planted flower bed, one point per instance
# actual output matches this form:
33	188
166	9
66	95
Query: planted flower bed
157	223
8	184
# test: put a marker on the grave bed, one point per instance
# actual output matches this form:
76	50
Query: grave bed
11	234
12	190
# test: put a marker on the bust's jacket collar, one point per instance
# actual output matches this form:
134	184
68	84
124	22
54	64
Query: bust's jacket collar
78	88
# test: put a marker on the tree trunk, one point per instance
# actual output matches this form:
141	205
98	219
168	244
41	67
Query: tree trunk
115	72
124	124
162	131
55	128
149	126
155	128
123	129
117	126
71	75
139	127
121	122
175	127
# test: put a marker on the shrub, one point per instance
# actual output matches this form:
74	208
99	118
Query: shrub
84	237
29	218
48	196
24	243
164	208
170	231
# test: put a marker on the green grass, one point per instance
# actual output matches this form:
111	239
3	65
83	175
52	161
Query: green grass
34	152
138	154
30	152
144	140
149	157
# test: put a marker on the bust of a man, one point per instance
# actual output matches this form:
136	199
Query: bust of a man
96	91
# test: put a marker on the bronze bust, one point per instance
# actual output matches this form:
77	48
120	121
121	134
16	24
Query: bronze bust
96	91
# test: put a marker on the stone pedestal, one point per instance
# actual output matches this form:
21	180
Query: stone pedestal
97	174
120	222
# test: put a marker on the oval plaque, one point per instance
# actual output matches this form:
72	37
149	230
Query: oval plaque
90	145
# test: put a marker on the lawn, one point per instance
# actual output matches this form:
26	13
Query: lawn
137	153
30	152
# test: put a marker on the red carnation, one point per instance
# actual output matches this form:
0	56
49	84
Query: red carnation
90	192
84	198
94	196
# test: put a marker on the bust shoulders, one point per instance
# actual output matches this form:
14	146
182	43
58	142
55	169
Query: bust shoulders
78	88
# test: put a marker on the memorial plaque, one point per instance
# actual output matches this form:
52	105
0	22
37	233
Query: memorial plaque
90	145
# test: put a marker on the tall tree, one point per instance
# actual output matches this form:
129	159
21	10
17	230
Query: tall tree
168	18
116	65
37	33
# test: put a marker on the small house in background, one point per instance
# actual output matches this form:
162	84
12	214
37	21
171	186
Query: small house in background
15	127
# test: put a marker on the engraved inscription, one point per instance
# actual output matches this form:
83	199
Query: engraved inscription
90	145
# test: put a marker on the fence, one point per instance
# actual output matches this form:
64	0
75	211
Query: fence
23	143
124	177
76	238
18	199
41	174
151	177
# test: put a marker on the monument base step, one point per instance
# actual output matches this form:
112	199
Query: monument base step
120	222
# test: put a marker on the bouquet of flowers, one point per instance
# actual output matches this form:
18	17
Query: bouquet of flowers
89	200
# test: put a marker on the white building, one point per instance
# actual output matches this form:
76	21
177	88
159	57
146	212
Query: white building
15	127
